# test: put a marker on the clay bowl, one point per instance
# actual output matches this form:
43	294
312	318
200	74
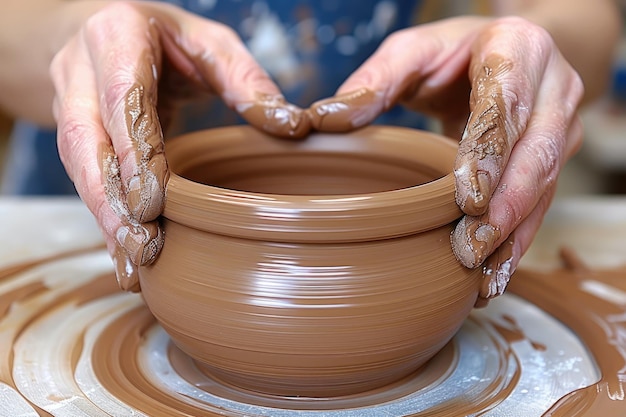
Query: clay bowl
312	268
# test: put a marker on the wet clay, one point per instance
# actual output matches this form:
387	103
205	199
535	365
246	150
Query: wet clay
482	157
315	268
273	114
265	110
109	344
341	113
145	190
497	270
135	188
484	151
140	196
485	145
592	303
137	242
345	112
473	240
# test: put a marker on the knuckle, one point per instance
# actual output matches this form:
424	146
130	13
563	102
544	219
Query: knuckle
99	24
115	89
514	99
221	36
549	156
544	155
61	65
538	35
520	26
514	208
423	41
70	137
55	70
525	39
398	38
247	72
224	33
577	89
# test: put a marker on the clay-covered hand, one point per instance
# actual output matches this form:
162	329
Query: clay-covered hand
502	87
114	80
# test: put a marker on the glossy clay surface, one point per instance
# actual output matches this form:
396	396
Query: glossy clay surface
313	268
73	345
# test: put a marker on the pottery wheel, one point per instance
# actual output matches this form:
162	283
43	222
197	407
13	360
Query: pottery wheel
72	344
82	348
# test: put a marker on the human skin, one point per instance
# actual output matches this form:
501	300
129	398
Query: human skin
518	128
502	85
524	77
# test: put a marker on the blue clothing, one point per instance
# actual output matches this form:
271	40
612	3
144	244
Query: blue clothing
33	166
309	47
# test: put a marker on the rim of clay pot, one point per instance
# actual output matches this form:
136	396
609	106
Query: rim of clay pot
311	218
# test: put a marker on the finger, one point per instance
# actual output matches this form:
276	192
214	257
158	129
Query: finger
408	65
141	241
213	55
502	263
79	131
87	155
375	86
507	71
530	177
124	49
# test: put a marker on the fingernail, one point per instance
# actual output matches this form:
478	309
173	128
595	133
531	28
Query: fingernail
473	239
142	242
479	193
482	155
274	115
473	189
498	269
145	193
125	271
346	111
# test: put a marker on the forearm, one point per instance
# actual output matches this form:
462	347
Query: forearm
585	31
31	32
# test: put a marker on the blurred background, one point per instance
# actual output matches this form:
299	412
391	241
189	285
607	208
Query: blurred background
600	166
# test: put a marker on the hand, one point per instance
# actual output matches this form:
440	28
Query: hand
503	88
114	79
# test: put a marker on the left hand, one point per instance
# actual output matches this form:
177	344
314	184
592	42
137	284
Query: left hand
501	86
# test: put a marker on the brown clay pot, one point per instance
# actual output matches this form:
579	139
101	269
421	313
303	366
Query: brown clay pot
316	268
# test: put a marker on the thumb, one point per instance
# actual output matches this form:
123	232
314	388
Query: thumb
407	66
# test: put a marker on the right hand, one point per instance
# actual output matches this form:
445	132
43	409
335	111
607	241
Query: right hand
114	78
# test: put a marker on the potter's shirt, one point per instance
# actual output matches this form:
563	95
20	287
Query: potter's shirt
308	47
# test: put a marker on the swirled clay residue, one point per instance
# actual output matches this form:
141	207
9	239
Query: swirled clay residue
74	344
593	304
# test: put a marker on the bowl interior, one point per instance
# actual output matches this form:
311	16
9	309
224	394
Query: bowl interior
372	160
312	172
375	183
